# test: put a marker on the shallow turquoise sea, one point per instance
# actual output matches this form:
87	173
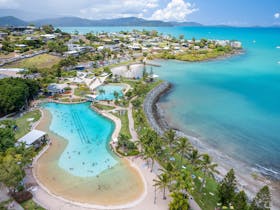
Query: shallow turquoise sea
232	104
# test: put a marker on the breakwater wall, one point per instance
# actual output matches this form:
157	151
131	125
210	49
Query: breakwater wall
150	108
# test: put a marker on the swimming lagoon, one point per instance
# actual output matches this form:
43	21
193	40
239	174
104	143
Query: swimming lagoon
107	92
79	164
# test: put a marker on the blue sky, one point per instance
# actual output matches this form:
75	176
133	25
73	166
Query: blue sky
210	12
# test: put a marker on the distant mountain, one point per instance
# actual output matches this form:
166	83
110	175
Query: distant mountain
185	24
11	21
76	21
64	21
23	15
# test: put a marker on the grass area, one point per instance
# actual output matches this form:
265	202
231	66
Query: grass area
125	124
82	91
103	107
196	55
39	61
23	123
31	205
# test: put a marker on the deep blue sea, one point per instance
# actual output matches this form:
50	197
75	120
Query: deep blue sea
233	104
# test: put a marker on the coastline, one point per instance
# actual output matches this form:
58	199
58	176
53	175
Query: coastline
220	57
43	173
246	182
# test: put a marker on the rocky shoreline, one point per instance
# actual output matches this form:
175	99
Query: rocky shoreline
156	119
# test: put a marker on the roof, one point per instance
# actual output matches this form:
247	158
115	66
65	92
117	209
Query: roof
31	137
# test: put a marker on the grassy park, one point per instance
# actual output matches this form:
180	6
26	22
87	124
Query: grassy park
39	61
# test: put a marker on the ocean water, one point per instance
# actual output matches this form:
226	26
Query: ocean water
233	104
87	153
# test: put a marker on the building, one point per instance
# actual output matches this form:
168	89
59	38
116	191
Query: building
35	138
56	88
236	44
3	35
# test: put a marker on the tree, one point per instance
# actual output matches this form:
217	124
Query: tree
7	136
194	157
116	95
240	201
15	94
181	37
208	168
11	172
262	200
170	137
162	182
183	146
227	187
179	201
102	91
49	29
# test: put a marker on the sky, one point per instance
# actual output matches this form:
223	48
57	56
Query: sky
208	12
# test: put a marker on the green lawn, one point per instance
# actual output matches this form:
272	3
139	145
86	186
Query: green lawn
23	123
82	91
31	205
125	124
103	107
39	61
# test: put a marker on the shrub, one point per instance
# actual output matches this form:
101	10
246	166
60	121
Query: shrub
22	196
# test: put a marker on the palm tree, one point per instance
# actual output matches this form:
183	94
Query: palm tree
116	95
170	137
162	182
208	168
101	91
183	146
194	157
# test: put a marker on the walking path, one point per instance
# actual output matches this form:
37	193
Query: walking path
151	199
133	133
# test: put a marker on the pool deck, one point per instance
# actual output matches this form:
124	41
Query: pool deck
146	201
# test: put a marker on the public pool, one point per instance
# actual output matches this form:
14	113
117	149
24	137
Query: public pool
108	92
87	132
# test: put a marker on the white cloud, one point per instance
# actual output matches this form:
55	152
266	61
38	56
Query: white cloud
8	4
117	8
277	15
176	10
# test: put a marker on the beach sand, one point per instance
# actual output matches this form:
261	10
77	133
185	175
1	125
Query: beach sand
117	186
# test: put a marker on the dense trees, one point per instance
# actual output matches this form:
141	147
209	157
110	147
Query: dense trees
227	188
15	94
229	196
262	200
12	162
7	136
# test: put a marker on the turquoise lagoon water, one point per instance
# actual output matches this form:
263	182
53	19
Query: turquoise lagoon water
109	92
232	104
87	153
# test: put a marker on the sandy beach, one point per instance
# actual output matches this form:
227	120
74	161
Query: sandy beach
59	190
93	190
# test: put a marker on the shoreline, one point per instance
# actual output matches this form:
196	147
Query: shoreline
71	200
220	57
157	120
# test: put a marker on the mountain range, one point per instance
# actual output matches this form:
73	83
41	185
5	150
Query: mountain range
76	21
